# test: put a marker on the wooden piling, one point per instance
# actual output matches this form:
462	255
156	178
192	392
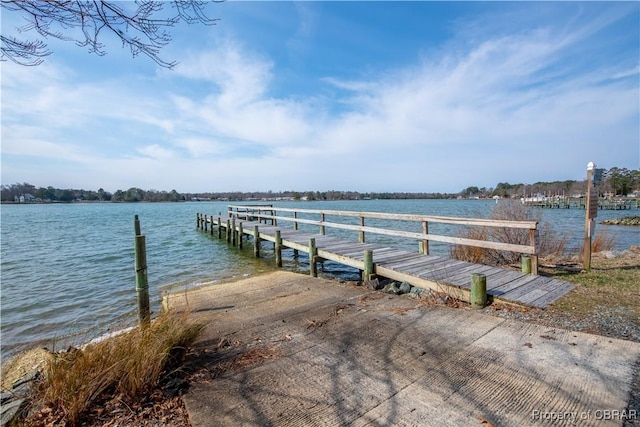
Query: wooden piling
136	225
478	290
526	264
313	266
368	272
228	231
361	233
233	231
219	228
256	242
240	235
142	285
278	249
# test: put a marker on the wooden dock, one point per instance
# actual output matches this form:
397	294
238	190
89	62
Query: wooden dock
419	269
563	202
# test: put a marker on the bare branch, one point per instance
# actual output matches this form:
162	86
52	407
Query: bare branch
144	30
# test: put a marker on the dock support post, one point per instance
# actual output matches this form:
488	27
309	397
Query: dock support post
197	220
233	231
361	234
526	264
228	231
142	285
478	290
278	249
368	265
240	235
212	223
256	242
313	267
219	228
322	217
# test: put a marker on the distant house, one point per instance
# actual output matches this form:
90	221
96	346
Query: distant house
25	198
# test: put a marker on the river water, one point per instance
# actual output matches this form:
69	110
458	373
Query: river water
67	273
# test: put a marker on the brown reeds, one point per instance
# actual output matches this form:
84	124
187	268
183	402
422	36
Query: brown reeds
125	366
549	243
603	241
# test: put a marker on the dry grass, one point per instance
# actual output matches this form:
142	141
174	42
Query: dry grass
603	242
549	243
125	366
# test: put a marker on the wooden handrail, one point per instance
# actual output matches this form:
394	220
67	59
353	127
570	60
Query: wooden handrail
271	213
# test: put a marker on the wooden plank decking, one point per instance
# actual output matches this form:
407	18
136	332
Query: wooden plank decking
425	271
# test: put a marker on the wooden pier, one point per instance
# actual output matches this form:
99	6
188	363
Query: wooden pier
420	269
563	202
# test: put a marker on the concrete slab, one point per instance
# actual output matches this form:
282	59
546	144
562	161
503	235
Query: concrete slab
285	349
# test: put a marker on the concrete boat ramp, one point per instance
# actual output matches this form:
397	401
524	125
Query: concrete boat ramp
284	349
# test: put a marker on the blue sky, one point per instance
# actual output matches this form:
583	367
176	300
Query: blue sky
364	96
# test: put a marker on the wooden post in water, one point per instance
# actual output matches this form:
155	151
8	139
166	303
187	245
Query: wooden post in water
136	225
240	232
478	290
233	231
228	231
197	220
142	285
219	228
361	233
368	265
322	224
313	266
256	242
278	249
205	223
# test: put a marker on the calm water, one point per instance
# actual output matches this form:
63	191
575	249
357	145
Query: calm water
67	272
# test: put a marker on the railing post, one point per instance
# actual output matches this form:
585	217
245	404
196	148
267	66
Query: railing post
313	267
256	242
322	230
278	249
425	242
526	264
534	257
368	265
361	234
478	290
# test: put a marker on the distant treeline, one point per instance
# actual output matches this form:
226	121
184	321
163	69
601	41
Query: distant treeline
615	181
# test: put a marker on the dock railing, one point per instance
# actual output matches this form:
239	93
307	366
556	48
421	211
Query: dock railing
304	216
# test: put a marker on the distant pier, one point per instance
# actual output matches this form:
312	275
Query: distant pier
563	202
